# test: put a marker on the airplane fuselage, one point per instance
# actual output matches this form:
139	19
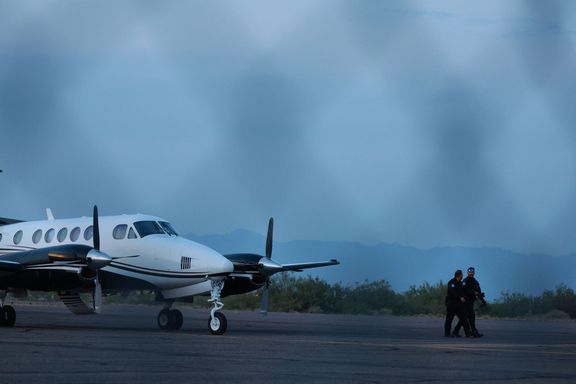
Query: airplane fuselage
148	254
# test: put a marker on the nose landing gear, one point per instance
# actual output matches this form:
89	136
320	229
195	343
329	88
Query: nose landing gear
217	323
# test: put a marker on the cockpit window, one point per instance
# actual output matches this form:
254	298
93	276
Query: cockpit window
146	228
132	234
168	228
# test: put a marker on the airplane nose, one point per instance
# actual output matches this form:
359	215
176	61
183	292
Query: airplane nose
226	266
205	259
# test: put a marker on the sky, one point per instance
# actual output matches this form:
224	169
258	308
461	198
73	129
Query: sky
427	123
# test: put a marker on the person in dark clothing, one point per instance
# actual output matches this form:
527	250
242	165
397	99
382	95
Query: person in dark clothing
473	292
455	304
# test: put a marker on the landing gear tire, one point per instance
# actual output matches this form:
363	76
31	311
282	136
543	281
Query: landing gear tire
176	319
164	319
170	319
7	316
218	324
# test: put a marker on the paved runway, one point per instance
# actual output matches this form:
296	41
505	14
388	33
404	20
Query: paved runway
123	345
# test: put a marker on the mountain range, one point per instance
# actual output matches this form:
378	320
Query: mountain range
497	270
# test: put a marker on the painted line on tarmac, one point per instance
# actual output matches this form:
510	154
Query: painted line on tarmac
506	348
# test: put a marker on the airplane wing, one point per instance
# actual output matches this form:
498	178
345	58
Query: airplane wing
7	221
301	266
253	263
56	257
10	266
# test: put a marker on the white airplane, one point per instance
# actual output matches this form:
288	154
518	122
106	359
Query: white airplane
122	253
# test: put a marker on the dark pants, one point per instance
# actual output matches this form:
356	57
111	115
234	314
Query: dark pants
456	309
471	316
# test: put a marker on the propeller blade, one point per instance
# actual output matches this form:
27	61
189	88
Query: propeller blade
264	300
96	229
97	295
269	238
124	257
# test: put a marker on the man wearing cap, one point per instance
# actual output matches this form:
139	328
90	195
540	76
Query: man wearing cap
472	290
455	305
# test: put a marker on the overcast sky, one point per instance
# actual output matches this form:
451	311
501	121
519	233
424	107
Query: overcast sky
420	122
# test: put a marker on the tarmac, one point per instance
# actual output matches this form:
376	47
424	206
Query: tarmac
123	345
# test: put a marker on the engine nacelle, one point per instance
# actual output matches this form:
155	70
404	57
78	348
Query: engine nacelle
235	285
87	274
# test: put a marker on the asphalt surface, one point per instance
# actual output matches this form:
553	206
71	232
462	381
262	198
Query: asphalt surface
123	345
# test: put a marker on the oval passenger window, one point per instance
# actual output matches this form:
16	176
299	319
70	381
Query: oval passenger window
75	234
88	233
37	236
49	236
18	237
120	231
62	234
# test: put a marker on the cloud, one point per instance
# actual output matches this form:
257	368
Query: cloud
362	121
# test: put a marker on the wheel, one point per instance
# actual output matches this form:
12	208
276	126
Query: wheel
164	319
7	316
176	319
218	325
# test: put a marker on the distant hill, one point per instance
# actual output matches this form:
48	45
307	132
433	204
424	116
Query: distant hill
498	270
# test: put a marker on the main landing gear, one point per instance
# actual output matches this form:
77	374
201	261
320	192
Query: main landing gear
7	316
170	318
7	312
217	323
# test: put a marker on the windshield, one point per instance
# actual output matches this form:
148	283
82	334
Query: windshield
168	228
146	228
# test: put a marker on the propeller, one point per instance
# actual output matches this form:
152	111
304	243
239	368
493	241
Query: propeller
95	259
262	268
268	267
